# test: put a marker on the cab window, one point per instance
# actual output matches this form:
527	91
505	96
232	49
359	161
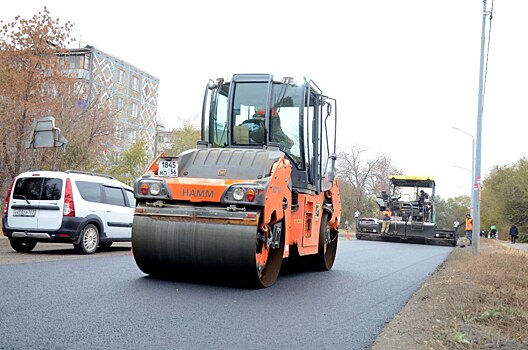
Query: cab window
216	114
286	123
249	113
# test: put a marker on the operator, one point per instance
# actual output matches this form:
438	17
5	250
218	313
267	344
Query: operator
422	198
257	133
276	132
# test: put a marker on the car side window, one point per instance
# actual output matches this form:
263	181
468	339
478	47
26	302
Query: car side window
131	199
114	196
90	191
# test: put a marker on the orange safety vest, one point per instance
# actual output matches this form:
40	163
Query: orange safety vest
387	212
469	224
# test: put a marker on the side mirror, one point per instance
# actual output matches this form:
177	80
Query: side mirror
45	134
329	109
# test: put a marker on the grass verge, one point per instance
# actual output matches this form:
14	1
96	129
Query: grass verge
471	302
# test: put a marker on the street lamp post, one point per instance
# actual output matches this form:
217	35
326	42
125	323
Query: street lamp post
478	143
471	206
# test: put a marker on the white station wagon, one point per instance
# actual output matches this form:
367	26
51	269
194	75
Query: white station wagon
86	209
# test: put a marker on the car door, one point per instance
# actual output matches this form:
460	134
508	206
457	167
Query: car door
51	204
118	213
25	200
93	202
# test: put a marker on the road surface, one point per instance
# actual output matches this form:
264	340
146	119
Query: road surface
106	302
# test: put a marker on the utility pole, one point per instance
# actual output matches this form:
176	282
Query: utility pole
477	178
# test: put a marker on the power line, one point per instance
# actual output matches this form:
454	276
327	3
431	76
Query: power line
487	51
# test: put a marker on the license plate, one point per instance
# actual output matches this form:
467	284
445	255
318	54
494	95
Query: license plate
24	212
168	167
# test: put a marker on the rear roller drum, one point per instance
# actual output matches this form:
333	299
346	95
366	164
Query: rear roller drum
269	253
324	260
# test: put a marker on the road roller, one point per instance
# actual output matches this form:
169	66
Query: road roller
259	187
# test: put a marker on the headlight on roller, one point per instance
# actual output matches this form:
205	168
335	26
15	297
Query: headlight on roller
238	194
154	189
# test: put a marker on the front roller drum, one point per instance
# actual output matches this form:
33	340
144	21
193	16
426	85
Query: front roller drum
210	250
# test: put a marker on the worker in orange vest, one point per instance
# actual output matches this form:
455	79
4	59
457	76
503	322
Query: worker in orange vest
386	218
469	228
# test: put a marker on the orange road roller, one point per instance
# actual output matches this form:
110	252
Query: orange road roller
259	187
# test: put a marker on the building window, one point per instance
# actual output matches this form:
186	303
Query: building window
161	139
120	76
132	135
135	83
134	109
86	62
118	132
119	103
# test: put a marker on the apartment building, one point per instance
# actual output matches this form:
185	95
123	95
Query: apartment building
132	95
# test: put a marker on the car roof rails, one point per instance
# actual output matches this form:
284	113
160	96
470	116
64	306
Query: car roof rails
88	173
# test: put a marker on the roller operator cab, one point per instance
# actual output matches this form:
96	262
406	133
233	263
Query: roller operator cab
259	187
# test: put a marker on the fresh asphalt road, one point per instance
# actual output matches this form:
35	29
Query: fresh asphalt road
108	303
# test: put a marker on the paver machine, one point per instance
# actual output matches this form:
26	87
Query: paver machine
410	199
259	187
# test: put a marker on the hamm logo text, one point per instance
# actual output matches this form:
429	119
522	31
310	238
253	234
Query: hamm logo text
197	193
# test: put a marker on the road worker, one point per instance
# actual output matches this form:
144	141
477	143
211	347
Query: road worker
386	218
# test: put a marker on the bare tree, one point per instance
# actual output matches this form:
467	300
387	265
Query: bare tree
380	174
367	176
356	171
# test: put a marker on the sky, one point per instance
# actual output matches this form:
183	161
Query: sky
404	73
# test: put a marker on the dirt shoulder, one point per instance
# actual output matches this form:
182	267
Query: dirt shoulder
468	303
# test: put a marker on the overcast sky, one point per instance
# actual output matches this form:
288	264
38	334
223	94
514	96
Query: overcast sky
403	72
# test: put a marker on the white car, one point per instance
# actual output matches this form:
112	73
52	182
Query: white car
86	209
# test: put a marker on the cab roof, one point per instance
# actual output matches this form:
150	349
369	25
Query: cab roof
412	181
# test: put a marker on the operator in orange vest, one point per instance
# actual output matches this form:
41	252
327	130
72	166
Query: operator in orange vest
469	228
386	218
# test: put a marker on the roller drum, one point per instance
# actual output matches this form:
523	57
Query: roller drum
168	247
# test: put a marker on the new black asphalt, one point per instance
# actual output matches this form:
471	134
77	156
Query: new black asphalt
108	303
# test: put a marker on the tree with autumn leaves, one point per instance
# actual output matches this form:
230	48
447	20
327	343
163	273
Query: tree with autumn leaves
34	83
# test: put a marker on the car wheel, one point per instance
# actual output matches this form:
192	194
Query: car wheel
105	244
89	240
22	245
